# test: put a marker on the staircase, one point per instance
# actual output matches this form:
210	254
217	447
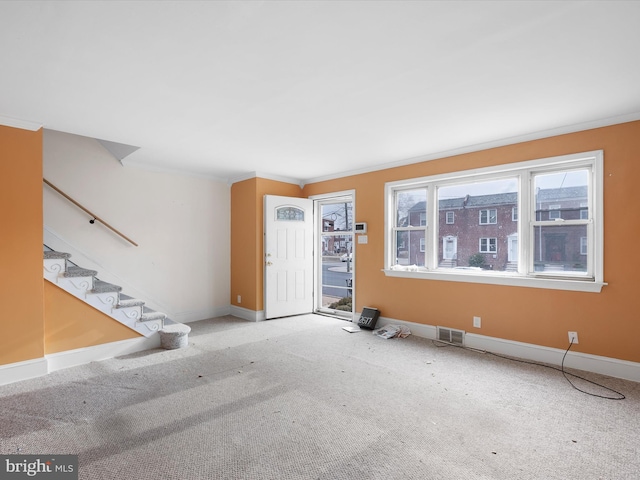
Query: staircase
105	297
448	263
511	267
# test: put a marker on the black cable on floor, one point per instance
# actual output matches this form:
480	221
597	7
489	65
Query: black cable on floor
619	396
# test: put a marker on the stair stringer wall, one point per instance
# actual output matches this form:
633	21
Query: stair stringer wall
105	302
70	323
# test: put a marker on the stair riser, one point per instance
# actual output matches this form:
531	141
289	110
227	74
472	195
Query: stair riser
133	322
105	302
77	286
148	327
53	267
127	313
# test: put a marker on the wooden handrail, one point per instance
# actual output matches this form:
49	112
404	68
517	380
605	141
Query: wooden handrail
93	216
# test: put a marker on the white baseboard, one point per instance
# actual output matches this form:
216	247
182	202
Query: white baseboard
196	316
245	313
417	329
612	367
15	372
81	356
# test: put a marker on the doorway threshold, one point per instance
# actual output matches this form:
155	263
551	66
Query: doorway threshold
335	315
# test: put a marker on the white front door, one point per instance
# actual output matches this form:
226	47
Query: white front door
512	250
449	247
288	250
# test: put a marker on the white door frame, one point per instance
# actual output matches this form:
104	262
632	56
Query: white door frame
348	195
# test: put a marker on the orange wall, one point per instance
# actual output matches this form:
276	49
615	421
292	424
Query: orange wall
70	323
21	245
247	237
607	323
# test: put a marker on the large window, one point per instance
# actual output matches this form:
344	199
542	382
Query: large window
536	223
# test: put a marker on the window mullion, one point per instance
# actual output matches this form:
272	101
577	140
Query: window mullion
590	250
596	202
524	226
431	233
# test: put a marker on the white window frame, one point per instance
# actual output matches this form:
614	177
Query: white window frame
514	214
450	218
525	276
408	228
555	210
584	210
488	222
488	244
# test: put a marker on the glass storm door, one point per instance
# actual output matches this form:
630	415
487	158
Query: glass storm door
335	262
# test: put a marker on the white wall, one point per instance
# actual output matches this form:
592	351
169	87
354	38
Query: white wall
181	223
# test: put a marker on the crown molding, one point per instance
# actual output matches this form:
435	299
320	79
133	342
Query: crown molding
554	132
18	123
266	176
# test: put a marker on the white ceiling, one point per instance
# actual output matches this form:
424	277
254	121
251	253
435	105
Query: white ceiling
314	89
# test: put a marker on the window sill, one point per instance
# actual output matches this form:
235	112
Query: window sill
576	285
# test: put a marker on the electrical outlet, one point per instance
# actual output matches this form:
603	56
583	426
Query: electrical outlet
477	322
239	299
573	337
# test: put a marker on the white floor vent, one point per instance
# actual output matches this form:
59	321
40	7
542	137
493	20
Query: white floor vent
449	335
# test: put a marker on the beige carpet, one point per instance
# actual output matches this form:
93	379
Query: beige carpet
300	398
